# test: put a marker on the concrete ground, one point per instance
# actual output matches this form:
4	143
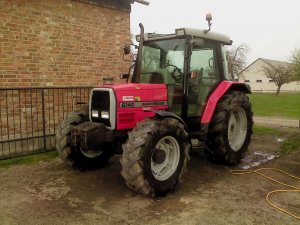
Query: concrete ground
275	121
54	193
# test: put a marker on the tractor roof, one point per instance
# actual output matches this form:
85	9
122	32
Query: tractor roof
207	35
191	32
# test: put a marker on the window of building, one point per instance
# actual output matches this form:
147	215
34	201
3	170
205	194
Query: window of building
247	81
258	81
271	81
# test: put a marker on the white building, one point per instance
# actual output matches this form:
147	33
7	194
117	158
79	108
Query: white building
255	77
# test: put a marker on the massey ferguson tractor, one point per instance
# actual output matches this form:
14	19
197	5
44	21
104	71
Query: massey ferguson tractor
178	91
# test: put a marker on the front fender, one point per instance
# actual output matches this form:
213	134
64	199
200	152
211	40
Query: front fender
166	114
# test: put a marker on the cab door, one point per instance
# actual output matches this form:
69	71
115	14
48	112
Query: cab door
204	75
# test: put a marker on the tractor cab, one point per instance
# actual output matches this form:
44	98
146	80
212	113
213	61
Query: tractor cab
191	62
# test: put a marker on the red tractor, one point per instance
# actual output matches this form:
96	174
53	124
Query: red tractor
179	91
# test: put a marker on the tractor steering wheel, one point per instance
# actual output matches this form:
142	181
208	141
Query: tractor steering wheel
176	74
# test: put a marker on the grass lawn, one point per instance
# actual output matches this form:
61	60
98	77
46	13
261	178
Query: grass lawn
29	160
284	105
290	143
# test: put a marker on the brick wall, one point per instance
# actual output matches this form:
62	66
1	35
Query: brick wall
60	43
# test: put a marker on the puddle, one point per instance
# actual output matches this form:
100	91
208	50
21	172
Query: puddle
280	139
256	159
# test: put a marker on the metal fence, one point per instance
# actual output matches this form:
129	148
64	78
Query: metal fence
29	117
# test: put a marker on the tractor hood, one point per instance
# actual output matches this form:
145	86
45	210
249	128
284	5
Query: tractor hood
139	92
133	102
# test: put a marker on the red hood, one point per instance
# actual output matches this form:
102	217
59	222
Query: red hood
133	86
133	101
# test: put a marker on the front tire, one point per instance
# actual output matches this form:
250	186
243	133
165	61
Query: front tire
79	159
230	129
155	156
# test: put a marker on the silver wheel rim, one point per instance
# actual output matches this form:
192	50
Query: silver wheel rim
237	129
90	153
164	170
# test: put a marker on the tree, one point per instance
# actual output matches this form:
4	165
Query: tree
279	73
237	59
295	64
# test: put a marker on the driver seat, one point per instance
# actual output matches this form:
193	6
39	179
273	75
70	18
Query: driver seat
156	78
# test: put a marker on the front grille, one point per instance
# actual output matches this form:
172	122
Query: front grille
100	102
100	99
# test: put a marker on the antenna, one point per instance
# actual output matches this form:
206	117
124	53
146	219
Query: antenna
208	19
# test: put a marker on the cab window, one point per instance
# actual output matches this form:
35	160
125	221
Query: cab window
204	75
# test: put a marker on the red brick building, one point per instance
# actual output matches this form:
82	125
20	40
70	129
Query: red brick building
62	42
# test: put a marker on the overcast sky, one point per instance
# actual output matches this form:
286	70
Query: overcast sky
271	28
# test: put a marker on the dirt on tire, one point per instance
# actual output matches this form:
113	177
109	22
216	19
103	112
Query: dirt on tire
55	193
138	153
219	148
73	155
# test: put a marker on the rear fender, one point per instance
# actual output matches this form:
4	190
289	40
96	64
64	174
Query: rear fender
215	96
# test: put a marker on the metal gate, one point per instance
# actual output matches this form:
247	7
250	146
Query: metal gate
29	117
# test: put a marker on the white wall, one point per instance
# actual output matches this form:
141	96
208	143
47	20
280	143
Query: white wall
254	72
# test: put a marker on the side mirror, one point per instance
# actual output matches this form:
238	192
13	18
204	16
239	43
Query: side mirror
126	50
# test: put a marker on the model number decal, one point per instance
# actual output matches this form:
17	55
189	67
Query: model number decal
142	104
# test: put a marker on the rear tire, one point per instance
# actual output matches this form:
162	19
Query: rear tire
230	129
75	156
155	156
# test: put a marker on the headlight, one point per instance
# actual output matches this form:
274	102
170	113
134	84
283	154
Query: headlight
95	113
104	115
180	32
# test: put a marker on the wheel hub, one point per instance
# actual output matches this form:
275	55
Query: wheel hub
232	128
237	129
159	156
90	153
165	158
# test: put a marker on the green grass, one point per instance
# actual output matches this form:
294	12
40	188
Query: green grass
291	137
29	160
262	130
285	105
290	145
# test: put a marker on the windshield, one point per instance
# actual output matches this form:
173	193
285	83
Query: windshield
162	61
